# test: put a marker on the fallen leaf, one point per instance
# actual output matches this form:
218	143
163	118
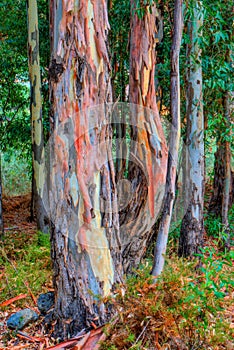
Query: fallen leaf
12	300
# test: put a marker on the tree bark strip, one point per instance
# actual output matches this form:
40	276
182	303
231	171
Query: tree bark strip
36	116
162	238
148	150
191	236
83	201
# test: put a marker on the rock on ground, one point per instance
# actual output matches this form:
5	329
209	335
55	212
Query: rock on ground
45	302
21	318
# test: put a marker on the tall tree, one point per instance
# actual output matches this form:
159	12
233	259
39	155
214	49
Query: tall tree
222	195
227	167
36	116
218	69
148	150
191	236
162	238
85	230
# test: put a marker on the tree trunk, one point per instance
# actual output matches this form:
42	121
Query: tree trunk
215	205
191	236
38	178
148	151
222	197
162	238
85	238
1	212
227	188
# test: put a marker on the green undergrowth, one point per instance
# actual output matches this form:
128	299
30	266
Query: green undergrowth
216	229
189	306
16	173
26	265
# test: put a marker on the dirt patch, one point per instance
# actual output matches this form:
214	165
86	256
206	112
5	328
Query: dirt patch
16	213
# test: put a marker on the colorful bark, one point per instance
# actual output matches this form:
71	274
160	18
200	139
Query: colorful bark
36	115
191	237
162	238
85	234
148	151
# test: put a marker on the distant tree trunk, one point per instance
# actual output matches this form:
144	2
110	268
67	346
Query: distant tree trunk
36	117
222	196
191	236
227	170
162	238
1	212
223	185
215	205
148	150
85	240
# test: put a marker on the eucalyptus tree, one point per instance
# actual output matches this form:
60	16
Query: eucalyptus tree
148	144
86	251
218	69
38	163
93	242
165	220
191	235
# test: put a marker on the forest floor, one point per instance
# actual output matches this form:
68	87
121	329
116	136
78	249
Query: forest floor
184	310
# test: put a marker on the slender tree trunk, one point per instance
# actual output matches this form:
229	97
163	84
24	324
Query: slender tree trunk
215	205
162	238
148	151
216	201
222	197
191	236
227	171
38	178
1	211
85	238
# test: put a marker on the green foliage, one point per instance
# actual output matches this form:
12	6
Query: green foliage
119	17
216	229
217	45
141	6
43	240
26	261
16	172
14	84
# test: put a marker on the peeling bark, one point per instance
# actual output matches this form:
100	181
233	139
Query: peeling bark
162	238
148	151
191	236
38	179
85	239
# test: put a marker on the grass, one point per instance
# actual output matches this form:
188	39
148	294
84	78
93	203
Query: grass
26	265
188	308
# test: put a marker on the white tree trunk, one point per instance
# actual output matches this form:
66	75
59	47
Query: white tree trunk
36	116
192	224
162	238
